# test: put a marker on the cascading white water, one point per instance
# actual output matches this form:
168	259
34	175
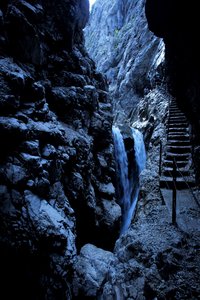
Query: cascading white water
122	168
129	189
139	147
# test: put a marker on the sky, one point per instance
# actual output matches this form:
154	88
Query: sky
91	2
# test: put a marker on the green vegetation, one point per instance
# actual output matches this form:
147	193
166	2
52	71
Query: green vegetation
116	31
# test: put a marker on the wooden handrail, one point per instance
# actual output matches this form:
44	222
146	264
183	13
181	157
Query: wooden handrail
160	161
174	194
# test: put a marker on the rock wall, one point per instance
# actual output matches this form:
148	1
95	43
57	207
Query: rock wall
178	24
56	163
119	41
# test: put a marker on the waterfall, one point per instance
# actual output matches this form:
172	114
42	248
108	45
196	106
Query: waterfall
122	168
128	180
139	147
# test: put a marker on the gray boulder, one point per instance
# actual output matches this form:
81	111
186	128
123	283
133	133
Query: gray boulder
91	269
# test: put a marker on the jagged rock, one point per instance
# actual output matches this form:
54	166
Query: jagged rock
91	269
32	12
63	97
14	175
111	212
150	116
106	190
49	151
59	200
100	124
127	52
6	205
92	94
24	35
167	265
42	186
16	76
102	161
31	147
1	19
39	91
52	127
197	160
46	220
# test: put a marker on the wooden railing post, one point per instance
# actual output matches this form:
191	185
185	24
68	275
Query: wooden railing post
168	119
160	171
174	194
160	161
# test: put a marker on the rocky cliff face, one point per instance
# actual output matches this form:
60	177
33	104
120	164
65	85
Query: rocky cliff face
178	24
118	39
56	163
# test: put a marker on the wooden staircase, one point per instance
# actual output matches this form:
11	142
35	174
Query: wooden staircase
179	148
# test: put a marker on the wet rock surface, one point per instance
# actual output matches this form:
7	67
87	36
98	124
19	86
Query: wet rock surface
150	117
56	164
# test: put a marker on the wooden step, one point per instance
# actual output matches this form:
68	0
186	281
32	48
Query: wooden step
179	136
178	157
169	172
173	142
177	113
178	130
178	124
175	119
175	110
181	183
173	115
174	107
180	163
179	149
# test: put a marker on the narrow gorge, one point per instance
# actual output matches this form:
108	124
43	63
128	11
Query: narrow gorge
99	129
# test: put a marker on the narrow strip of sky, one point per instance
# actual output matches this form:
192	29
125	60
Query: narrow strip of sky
91	3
